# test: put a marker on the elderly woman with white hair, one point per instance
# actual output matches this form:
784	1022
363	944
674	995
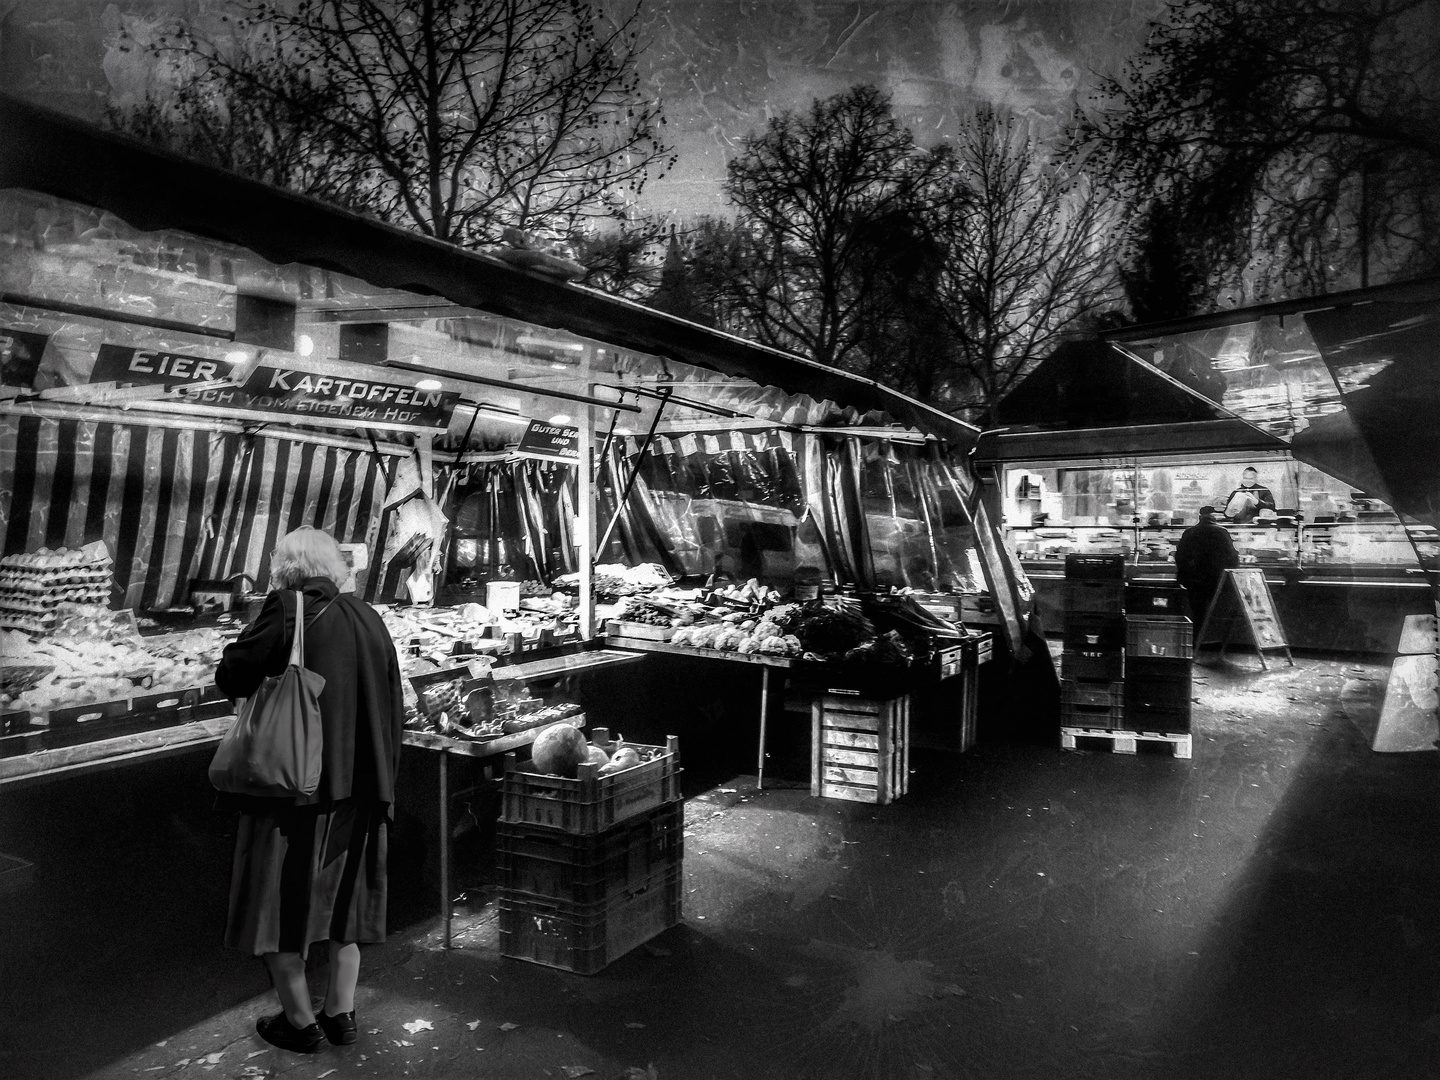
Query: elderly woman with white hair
313	869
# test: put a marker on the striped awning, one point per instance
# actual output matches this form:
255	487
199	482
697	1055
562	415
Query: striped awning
176	503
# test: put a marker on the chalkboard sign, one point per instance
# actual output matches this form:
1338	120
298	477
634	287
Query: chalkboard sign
1243	601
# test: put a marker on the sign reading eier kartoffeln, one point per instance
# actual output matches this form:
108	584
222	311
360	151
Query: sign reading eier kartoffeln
277	389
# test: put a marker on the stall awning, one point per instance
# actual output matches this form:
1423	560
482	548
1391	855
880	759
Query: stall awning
48	152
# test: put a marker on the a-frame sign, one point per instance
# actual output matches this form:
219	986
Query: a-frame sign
1243	599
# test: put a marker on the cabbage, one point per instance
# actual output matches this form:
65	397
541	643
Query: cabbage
559	749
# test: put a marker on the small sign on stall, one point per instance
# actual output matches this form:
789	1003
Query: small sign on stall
1243	602
550	442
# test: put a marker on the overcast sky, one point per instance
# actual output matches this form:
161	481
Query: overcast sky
723	66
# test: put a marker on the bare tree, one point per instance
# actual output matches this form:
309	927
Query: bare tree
1289	145
807	190
1026	256
454	117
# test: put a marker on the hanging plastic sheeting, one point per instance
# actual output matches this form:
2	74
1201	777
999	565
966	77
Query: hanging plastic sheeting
174	503
513	517
638	536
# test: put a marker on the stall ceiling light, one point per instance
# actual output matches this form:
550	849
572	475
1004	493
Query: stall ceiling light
304	345
544	343
429	384
561	418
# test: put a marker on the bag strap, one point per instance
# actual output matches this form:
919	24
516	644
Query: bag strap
297	640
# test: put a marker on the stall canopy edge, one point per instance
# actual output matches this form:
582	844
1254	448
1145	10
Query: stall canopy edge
150	189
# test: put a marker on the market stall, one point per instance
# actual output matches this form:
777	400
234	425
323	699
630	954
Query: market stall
1112	447
507	459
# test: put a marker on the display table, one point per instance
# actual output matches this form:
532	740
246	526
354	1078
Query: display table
765	662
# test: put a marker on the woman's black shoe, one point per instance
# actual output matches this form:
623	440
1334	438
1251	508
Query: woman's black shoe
339	1029
278	1031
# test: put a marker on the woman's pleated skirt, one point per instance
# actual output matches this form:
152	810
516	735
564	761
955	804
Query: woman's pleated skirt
303	874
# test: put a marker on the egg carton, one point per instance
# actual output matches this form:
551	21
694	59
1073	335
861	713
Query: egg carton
40	604
36	563
40	579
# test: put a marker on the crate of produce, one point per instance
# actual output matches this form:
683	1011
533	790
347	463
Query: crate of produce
1156	600
589	869
591	803
1098	692
1073	714
1095	567
1102	664
585	938
860	748
1159	637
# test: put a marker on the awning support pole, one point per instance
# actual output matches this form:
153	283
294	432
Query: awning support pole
632	477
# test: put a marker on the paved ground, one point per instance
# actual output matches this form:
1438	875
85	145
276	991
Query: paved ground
1267	909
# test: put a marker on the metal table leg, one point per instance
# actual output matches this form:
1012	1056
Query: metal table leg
764	713
445	907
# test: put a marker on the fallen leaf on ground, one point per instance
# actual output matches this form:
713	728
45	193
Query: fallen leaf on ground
252	1071
473	1024
257	1053
951	990
211	1059
573	1071
508	1026
402	1042
416	1026
326	1073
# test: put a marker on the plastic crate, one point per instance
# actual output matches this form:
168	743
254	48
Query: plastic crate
590	803
1156	601
1096	716
1161	669
1087	596
1094	664
1095	567
1103	693
1152	637
585	938
589	869
1106	632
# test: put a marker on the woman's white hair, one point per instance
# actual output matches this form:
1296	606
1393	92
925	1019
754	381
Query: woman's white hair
305	553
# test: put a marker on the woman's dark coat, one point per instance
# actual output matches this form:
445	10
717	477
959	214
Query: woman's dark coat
362	705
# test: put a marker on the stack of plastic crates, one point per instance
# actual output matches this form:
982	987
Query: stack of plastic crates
590	868
1093	664
1158	650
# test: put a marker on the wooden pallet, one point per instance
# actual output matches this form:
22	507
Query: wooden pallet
1123	742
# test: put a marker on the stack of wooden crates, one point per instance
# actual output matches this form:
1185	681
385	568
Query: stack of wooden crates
1126	660
860	747
590	868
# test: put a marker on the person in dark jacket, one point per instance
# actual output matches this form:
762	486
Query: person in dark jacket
1202	556
311	869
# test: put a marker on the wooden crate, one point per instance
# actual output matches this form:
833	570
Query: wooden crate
860	748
